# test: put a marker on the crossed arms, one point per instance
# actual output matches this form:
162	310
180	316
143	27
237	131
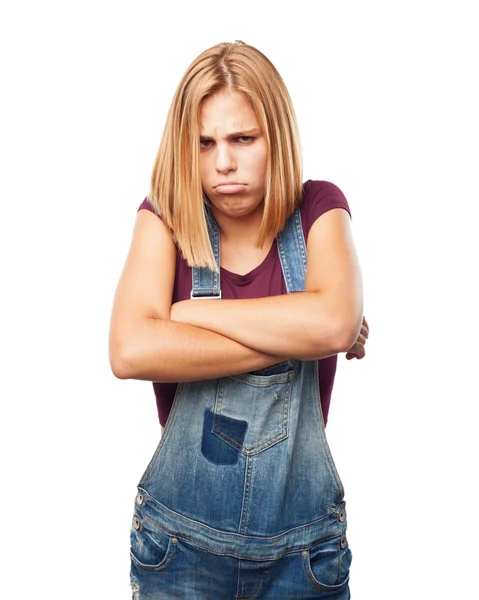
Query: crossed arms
151	339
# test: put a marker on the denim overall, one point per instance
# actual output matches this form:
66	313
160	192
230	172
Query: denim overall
242	499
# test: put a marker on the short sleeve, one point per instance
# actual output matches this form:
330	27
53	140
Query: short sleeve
318	198
147	205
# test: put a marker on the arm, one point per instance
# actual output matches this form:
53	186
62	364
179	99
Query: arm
144	343
320	322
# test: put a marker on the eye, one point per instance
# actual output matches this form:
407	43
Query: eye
206	143
244	139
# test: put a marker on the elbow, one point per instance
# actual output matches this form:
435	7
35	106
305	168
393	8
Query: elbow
347	333
348	319
120	350
125	350
345	340
135	354
121	365
341	320
338	337
340	334
123	355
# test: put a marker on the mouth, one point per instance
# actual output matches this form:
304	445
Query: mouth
230	188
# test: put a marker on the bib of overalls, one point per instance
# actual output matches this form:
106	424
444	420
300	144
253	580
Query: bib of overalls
243	465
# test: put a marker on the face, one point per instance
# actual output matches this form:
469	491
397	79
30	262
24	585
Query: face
233	154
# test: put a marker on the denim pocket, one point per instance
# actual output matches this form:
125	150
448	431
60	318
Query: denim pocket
252	411
326	564
150	548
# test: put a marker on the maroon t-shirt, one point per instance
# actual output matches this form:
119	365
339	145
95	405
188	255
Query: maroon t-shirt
266	280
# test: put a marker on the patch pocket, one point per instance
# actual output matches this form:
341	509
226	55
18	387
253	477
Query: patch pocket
150	548
252	411
326	564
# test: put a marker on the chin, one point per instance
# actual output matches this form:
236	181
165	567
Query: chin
239	211
238	206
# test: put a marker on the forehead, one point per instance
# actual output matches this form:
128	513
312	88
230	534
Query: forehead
227	110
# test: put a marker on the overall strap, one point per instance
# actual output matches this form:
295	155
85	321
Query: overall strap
291	250
205	282
292	253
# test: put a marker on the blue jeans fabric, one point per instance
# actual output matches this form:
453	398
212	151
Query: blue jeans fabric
242	499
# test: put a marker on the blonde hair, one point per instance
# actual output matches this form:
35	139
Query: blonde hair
176	192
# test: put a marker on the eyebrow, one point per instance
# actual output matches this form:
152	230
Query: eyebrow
242	133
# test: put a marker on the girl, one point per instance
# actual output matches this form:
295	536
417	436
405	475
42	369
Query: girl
241	286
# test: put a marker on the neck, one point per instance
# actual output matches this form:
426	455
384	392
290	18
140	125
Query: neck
241	230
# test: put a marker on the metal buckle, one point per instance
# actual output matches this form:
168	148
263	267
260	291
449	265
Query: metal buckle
205	297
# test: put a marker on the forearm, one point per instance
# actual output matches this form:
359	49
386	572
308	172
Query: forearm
305	325
168	351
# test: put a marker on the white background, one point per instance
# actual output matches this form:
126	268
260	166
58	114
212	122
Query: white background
387	103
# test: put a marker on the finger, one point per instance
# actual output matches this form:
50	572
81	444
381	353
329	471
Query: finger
366	324
365	330
358	350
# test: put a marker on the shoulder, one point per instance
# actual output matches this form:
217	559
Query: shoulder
318	198
323	195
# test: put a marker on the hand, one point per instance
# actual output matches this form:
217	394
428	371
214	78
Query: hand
174	311
179	310
358	350
188	311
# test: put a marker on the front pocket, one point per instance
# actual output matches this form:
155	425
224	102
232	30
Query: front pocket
326	564
151	549
252	411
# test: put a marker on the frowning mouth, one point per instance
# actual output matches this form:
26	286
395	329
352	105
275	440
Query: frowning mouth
230	187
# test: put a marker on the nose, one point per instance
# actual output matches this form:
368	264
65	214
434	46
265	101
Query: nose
225	159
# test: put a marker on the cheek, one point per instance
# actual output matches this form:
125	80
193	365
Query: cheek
261	160
259	165
204	170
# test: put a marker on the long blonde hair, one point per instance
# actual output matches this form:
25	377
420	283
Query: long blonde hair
176	192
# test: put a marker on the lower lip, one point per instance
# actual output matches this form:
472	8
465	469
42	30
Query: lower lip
234	188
